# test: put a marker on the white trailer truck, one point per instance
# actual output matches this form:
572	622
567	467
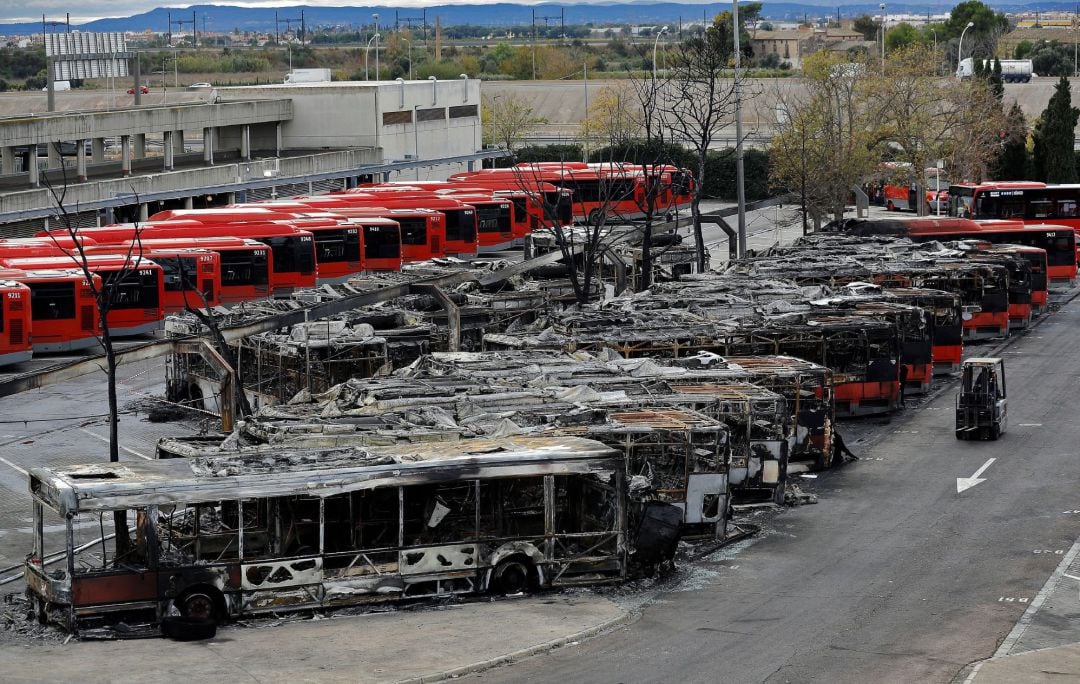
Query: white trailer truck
308	76
1012	70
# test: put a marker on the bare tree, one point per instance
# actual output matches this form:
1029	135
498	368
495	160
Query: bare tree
509	120
107	291
697	102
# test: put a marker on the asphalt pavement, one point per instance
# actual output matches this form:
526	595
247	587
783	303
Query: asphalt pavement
894	577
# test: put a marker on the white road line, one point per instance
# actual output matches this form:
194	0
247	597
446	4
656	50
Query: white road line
1025	620
1029	424
9	463
106	440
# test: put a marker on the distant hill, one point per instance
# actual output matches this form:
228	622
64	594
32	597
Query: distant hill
221	18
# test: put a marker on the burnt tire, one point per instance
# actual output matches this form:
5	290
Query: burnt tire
512	576
596	218
199	604
180	628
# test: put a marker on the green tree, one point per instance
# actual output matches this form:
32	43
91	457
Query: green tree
1051	59
1055	135
1023	49
867	26
900	36
987	21
997	83
1012	162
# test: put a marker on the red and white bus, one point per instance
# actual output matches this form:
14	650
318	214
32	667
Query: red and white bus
459	231
898	188
192	275
246	267
63	311
601	192
16	323
138	300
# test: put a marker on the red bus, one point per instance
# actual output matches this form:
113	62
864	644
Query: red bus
546	204
16	322
603	191
459	228
381	241
898	188
192	276
420	231
246	267
499	221
63	311
292	249
138	296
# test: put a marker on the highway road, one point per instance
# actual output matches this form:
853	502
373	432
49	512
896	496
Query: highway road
894	576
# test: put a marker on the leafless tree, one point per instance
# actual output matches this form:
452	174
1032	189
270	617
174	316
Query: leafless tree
696	103
107	291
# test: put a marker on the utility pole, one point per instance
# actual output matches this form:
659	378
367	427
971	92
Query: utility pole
740	178
194	30
585	145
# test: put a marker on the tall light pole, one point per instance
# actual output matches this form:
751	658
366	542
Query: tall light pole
655	43
366	51
494	98
409	44
377	72
882	6
416	138
740	178
960	48
937	69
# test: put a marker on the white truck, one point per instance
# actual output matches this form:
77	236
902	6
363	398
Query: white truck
1012	70
308	76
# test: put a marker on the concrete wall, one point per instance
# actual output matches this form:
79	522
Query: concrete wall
350	114
66	127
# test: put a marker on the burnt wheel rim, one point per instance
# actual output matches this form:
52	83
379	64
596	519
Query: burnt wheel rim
513	578
198	606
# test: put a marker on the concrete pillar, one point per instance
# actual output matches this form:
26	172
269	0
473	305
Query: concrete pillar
168	148
97	150
208	145
32	167
471	165
80	160
230	198
189	202
144	211
178	142
110	216
55	160
7	160
140	146
245	142
125	155
277	142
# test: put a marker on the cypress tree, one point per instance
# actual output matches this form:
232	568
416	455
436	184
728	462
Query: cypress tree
1012	161
997	83
1055	137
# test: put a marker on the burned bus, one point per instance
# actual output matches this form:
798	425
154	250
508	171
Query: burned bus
222	537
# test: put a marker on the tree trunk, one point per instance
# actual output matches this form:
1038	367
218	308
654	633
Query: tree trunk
699	235
123	541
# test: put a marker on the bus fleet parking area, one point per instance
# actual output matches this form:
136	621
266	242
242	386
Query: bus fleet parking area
896	575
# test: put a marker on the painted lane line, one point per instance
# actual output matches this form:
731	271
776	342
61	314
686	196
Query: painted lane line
106	440
1029	424
9	463
964	483
1025	620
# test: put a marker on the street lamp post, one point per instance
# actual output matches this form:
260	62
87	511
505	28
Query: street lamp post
408	43
655	43
366	51
960	47
416	139
882	6
377	72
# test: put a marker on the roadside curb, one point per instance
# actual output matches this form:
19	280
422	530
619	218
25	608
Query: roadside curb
625	618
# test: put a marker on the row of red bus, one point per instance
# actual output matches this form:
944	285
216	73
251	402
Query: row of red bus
245	252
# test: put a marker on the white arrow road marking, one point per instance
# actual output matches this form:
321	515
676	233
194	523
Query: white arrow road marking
963	483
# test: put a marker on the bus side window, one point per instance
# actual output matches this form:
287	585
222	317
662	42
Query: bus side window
439	514
1066	208
513	507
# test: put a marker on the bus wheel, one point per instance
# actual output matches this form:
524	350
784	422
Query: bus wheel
596	217
511	576
199	604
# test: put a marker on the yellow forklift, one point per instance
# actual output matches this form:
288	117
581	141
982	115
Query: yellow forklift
981	411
